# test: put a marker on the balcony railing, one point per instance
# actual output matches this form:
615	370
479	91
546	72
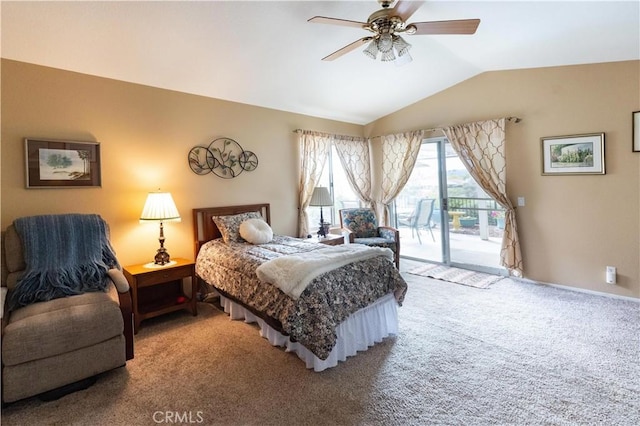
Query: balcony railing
480	216
472	208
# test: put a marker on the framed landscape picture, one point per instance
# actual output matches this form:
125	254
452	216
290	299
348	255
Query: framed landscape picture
62	164
573	155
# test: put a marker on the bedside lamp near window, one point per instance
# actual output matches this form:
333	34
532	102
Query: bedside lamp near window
320	198
160	207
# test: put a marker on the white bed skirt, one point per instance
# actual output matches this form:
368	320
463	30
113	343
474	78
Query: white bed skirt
358	332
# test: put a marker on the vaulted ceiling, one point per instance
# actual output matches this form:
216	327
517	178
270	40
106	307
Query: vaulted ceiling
265	53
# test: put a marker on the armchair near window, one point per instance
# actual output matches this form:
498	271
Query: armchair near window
362	226
53	347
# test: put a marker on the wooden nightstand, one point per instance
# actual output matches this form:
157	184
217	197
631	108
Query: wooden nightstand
157	290
330	240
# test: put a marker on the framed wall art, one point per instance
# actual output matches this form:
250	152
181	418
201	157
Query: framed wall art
62	164
573	155
635	131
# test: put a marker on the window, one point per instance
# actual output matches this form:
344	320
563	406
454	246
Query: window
334	178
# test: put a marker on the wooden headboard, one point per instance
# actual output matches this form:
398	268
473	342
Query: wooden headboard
204	229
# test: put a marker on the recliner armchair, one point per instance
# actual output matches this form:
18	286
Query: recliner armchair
362	227
54	347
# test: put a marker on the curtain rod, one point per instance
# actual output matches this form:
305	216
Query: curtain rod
301	130
513	119
326	133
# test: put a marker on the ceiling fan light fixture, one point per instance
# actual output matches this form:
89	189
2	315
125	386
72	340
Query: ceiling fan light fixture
401	46
372	50
388	56
385	46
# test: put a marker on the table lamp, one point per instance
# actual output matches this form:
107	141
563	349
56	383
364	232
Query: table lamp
160	207
320	198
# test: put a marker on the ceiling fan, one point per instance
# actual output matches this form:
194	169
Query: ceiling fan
388	23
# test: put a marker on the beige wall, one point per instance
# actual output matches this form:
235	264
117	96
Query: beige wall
571	226
145	135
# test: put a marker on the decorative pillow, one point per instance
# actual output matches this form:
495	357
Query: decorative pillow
256	231
229	226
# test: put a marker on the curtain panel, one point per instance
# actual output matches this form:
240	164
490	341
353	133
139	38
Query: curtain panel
314	149
399	155
355	159
481	147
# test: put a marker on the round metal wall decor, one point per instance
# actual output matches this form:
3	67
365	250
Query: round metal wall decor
224	157
248	161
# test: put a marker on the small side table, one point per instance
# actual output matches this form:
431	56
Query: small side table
330	240
157	290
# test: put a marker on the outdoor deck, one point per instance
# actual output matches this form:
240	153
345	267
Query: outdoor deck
466	246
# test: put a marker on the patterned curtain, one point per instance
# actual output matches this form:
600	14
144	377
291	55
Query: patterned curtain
481	147
314	149
355	159
399	154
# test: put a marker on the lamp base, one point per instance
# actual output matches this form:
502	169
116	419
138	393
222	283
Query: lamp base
323	230
162	257
324	227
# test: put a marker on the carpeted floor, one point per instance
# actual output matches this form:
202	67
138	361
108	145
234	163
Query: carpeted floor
455	275
520	354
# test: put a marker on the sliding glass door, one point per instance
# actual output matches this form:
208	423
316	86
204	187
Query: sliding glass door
444	216
418	208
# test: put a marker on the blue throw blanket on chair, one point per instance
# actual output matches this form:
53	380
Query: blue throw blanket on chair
65	255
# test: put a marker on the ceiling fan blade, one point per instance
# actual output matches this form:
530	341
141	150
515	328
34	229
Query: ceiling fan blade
405	9
348	48
336	21
461	26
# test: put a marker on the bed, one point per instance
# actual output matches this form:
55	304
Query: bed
340	312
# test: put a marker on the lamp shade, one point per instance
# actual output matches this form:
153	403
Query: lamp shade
321	197
160	207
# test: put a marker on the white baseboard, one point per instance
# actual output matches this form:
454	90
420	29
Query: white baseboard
579	290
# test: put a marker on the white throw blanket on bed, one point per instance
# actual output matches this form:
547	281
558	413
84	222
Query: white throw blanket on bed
293	273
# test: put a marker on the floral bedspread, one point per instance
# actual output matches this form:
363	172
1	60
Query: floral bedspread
326	302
